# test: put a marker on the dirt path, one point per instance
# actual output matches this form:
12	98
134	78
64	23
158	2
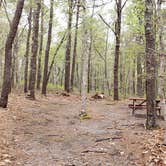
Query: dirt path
49	133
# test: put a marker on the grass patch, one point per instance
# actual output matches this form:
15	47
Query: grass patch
54	86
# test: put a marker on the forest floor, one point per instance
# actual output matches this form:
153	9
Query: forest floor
48	132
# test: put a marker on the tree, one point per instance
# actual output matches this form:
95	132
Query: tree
27	51
90	50
139	75
75	45
47	52
117	48
84	59
134	20
39	75
162	55
55	53
32	77
8	54
104	58
14	58
107	85
117	33
139	9
150	65
68	47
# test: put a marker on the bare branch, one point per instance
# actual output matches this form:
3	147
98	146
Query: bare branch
101	17
98	52
123	5
56	52
22	31
6	12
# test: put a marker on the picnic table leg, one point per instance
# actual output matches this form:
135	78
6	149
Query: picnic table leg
133	107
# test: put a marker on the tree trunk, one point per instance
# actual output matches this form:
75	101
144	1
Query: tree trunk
47	52
133	78
117	48
68	48
139	58
139	76
95	80
162	84
39	70
150	65
62	77
121	76
8	54
85	53
32	79
17	75
78	77
89	63
105	66
53	59
90	52
14	56
75	45
162	56
27	51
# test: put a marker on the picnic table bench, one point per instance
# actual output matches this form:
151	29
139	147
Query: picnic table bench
140	103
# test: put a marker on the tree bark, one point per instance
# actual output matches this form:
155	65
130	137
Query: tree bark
106	82
84	66
27	51
32	79
161	62
78	76
14	58
47	52
8	54
121	75
140	55
133	78
90	52
75	45
68	48
89	64
39	70
139	76
117	48
150	65
162	84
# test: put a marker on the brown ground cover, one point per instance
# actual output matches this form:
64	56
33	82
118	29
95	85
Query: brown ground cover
48	132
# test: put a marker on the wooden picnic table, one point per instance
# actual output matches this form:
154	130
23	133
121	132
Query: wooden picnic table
140	103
